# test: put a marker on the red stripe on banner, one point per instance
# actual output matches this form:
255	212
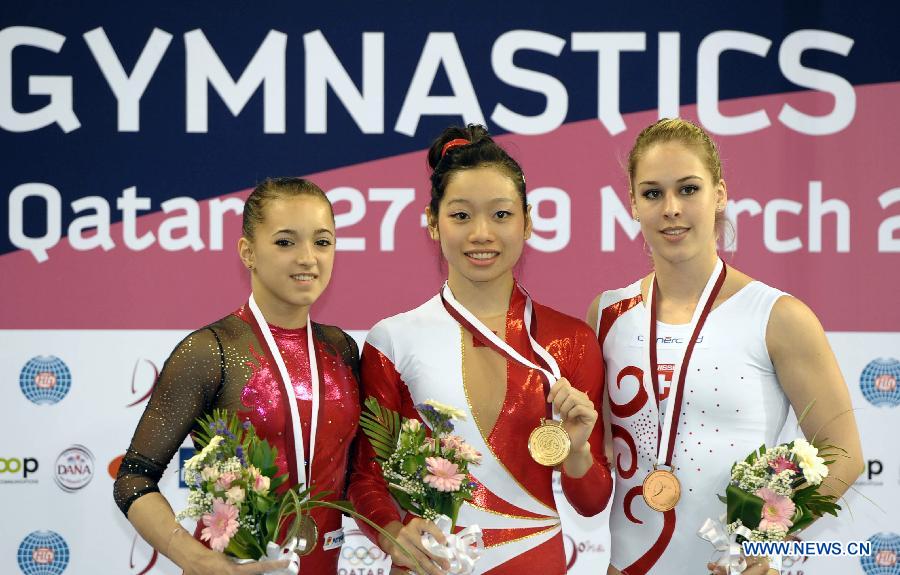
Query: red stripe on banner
774	172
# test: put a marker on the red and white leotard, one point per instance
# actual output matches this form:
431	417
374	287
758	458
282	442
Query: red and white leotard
732	404
417	355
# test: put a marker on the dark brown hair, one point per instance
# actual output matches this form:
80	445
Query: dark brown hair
273	189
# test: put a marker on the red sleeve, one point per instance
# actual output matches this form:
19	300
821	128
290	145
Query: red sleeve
590	493
367	490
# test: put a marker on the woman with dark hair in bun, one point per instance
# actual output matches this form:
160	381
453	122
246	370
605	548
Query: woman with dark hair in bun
512	365
256	361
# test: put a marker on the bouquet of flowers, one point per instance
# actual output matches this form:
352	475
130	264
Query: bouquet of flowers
232	485
427	473
772	493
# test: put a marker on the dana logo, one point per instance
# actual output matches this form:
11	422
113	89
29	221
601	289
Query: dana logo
45	379
43	553
885	549
74	468
878	382
16	470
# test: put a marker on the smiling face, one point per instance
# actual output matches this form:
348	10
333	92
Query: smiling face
291	253
481	225
676	199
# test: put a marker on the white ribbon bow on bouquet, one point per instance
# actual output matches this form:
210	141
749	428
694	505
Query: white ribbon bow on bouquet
462	550
716	533
274	552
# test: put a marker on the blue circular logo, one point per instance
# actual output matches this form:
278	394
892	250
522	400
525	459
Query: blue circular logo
885	557
879	382
45	379
43	553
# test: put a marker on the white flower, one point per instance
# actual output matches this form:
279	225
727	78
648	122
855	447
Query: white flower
211	446
813	466
446	410
411	425
235	495
209	473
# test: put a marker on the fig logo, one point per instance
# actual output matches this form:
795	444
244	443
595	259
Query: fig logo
878	382
43	553
45	380
883	560
74	468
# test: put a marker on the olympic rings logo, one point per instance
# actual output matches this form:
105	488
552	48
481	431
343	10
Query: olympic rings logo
365	555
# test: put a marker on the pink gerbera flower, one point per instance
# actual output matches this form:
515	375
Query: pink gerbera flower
782	463
442	474
777	510
221	525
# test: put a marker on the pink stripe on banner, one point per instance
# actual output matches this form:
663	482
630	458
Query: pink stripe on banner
156	289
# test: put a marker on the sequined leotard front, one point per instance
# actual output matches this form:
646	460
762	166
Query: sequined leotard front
419	355
226	365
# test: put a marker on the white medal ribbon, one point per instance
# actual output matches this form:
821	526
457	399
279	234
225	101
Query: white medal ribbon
291	394
648	375
493	338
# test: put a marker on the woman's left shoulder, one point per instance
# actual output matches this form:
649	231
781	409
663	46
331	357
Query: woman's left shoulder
337	339
791	315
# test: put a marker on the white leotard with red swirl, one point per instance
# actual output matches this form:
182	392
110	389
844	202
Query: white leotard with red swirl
732	404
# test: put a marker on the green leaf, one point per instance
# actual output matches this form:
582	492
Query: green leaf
403	498
806	517
381	426
744	506
374	429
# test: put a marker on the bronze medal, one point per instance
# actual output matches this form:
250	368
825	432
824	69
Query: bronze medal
309	532
661	490
549	443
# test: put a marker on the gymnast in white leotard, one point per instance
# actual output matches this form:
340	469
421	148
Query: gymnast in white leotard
756	351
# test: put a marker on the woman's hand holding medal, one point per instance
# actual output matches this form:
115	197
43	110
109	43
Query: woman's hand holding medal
578	415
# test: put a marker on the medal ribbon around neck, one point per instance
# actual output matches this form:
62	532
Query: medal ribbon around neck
666	440
291	394
485	336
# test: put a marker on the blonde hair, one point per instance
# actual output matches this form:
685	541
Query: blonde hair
683	132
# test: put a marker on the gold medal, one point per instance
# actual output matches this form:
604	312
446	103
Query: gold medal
308	531
549	443
661	490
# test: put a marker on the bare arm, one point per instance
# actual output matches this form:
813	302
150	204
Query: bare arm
809	375
153	518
